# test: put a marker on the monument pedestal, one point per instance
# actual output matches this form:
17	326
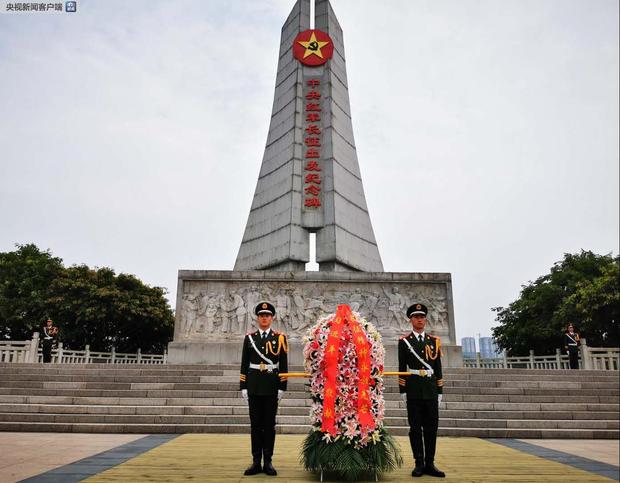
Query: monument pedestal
215	309
229	352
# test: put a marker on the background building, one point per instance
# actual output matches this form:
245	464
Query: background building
488	348
469	347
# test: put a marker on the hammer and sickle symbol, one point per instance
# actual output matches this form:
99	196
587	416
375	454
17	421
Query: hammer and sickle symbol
313	46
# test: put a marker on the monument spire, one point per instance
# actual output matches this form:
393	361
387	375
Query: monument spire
310	181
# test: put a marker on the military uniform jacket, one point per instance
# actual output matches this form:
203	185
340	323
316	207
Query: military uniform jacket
418	387
262	382
571	342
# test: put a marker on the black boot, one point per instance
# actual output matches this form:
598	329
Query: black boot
269	469
254	469
418	453
431	470
419	468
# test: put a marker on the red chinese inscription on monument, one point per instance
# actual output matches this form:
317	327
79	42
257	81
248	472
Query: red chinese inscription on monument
312	178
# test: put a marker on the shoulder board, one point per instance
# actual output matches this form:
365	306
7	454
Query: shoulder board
405	336
252	332
433	336
275	332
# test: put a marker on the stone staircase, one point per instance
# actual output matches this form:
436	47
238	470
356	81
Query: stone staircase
102	398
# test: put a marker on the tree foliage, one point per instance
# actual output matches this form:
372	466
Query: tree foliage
582	288
91	306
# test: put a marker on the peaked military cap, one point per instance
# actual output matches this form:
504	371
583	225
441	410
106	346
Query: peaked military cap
417	309
265	308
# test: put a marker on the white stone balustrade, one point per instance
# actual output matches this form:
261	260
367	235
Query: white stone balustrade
29	351
592	358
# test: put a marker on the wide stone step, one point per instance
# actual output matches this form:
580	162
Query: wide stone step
292	387
296	402
559	373
566	406
535	384
216	394
291	420
116	401
400	412
299	429
206	371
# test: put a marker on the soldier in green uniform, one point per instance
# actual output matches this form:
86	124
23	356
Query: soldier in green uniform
263	358
420	355
571	346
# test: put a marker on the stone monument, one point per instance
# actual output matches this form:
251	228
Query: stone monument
309	182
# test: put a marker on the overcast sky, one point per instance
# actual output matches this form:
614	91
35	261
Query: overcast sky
131	134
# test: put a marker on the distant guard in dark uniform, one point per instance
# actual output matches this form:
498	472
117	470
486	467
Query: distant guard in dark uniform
264	357
420	355
571	345
48	338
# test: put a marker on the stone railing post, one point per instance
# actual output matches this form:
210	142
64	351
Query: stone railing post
505	358
59	353
33	351
531	358
558	358
165	356
113	355
478	361
139	355
586	357
87	354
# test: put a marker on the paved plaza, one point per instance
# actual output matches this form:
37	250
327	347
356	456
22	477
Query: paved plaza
54	457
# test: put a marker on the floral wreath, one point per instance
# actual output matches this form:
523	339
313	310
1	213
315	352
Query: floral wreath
344	355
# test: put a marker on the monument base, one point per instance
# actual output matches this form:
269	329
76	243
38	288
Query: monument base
229	352
215	309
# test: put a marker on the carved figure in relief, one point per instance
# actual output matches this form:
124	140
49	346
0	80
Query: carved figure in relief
239	311
315	308
251	299
210	311
356	300
369	309
441	310
221	317
283	305
297	312
395	308
202	300
190	313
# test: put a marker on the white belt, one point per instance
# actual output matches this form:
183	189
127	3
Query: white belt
263	367
573	344
422	372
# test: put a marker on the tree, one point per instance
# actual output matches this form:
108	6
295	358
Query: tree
92	306
25	277
582	288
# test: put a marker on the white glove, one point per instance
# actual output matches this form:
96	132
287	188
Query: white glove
403	396
244	394
280	394
439	398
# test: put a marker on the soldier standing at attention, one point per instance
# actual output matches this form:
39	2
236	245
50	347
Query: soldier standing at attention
263	358
48	338
571	345
420	355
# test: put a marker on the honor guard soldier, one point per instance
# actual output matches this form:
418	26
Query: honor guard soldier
49	335
264	357
571	345
420	355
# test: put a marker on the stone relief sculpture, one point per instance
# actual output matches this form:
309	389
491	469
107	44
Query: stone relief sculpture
190	314
225	310
239	311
